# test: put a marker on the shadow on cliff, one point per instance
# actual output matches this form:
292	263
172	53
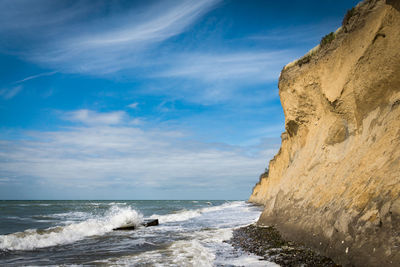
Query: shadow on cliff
394	3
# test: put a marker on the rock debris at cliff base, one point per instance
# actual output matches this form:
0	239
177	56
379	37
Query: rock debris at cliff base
268	243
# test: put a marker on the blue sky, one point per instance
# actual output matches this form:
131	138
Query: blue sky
146	99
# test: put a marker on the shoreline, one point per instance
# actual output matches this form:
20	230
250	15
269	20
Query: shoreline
268	243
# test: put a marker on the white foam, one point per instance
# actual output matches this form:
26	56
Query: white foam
182	215
179	253
200	249
249	260
198	246
213	241
191	253
211	236
185	215
31	239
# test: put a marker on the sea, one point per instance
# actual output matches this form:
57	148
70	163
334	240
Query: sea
75	233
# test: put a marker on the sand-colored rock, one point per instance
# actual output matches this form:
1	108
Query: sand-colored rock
335	182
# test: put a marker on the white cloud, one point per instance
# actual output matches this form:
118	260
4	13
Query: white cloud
133	105
101	155
94	118
136	121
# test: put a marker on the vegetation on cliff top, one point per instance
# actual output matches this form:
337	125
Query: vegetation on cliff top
327	39
263	175
348	15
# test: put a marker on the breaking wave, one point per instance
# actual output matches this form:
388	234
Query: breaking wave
35	238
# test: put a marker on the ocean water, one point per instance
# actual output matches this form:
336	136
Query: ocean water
191	233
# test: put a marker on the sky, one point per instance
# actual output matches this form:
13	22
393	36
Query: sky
146	99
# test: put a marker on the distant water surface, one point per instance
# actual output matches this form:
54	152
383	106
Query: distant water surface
191	233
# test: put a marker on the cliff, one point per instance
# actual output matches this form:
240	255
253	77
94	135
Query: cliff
335	182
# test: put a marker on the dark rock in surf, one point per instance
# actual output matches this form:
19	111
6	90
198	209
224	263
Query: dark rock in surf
146	223
126	227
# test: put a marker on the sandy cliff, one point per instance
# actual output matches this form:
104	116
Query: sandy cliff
335	183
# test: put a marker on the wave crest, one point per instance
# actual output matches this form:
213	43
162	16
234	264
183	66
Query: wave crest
34	238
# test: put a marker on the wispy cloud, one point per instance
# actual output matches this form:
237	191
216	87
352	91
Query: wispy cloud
132	40
84	41
161	25
36	76
247	67
229	77
10	93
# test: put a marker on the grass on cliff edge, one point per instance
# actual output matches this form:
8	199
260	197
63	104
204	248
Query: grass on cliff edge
348	15
327	39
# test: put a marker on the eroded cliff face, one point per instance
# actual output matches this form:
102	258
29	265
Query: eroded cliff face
335	183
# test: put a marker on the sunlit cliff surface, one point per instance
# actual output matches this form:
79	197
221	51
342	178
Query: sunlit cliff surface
335	182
